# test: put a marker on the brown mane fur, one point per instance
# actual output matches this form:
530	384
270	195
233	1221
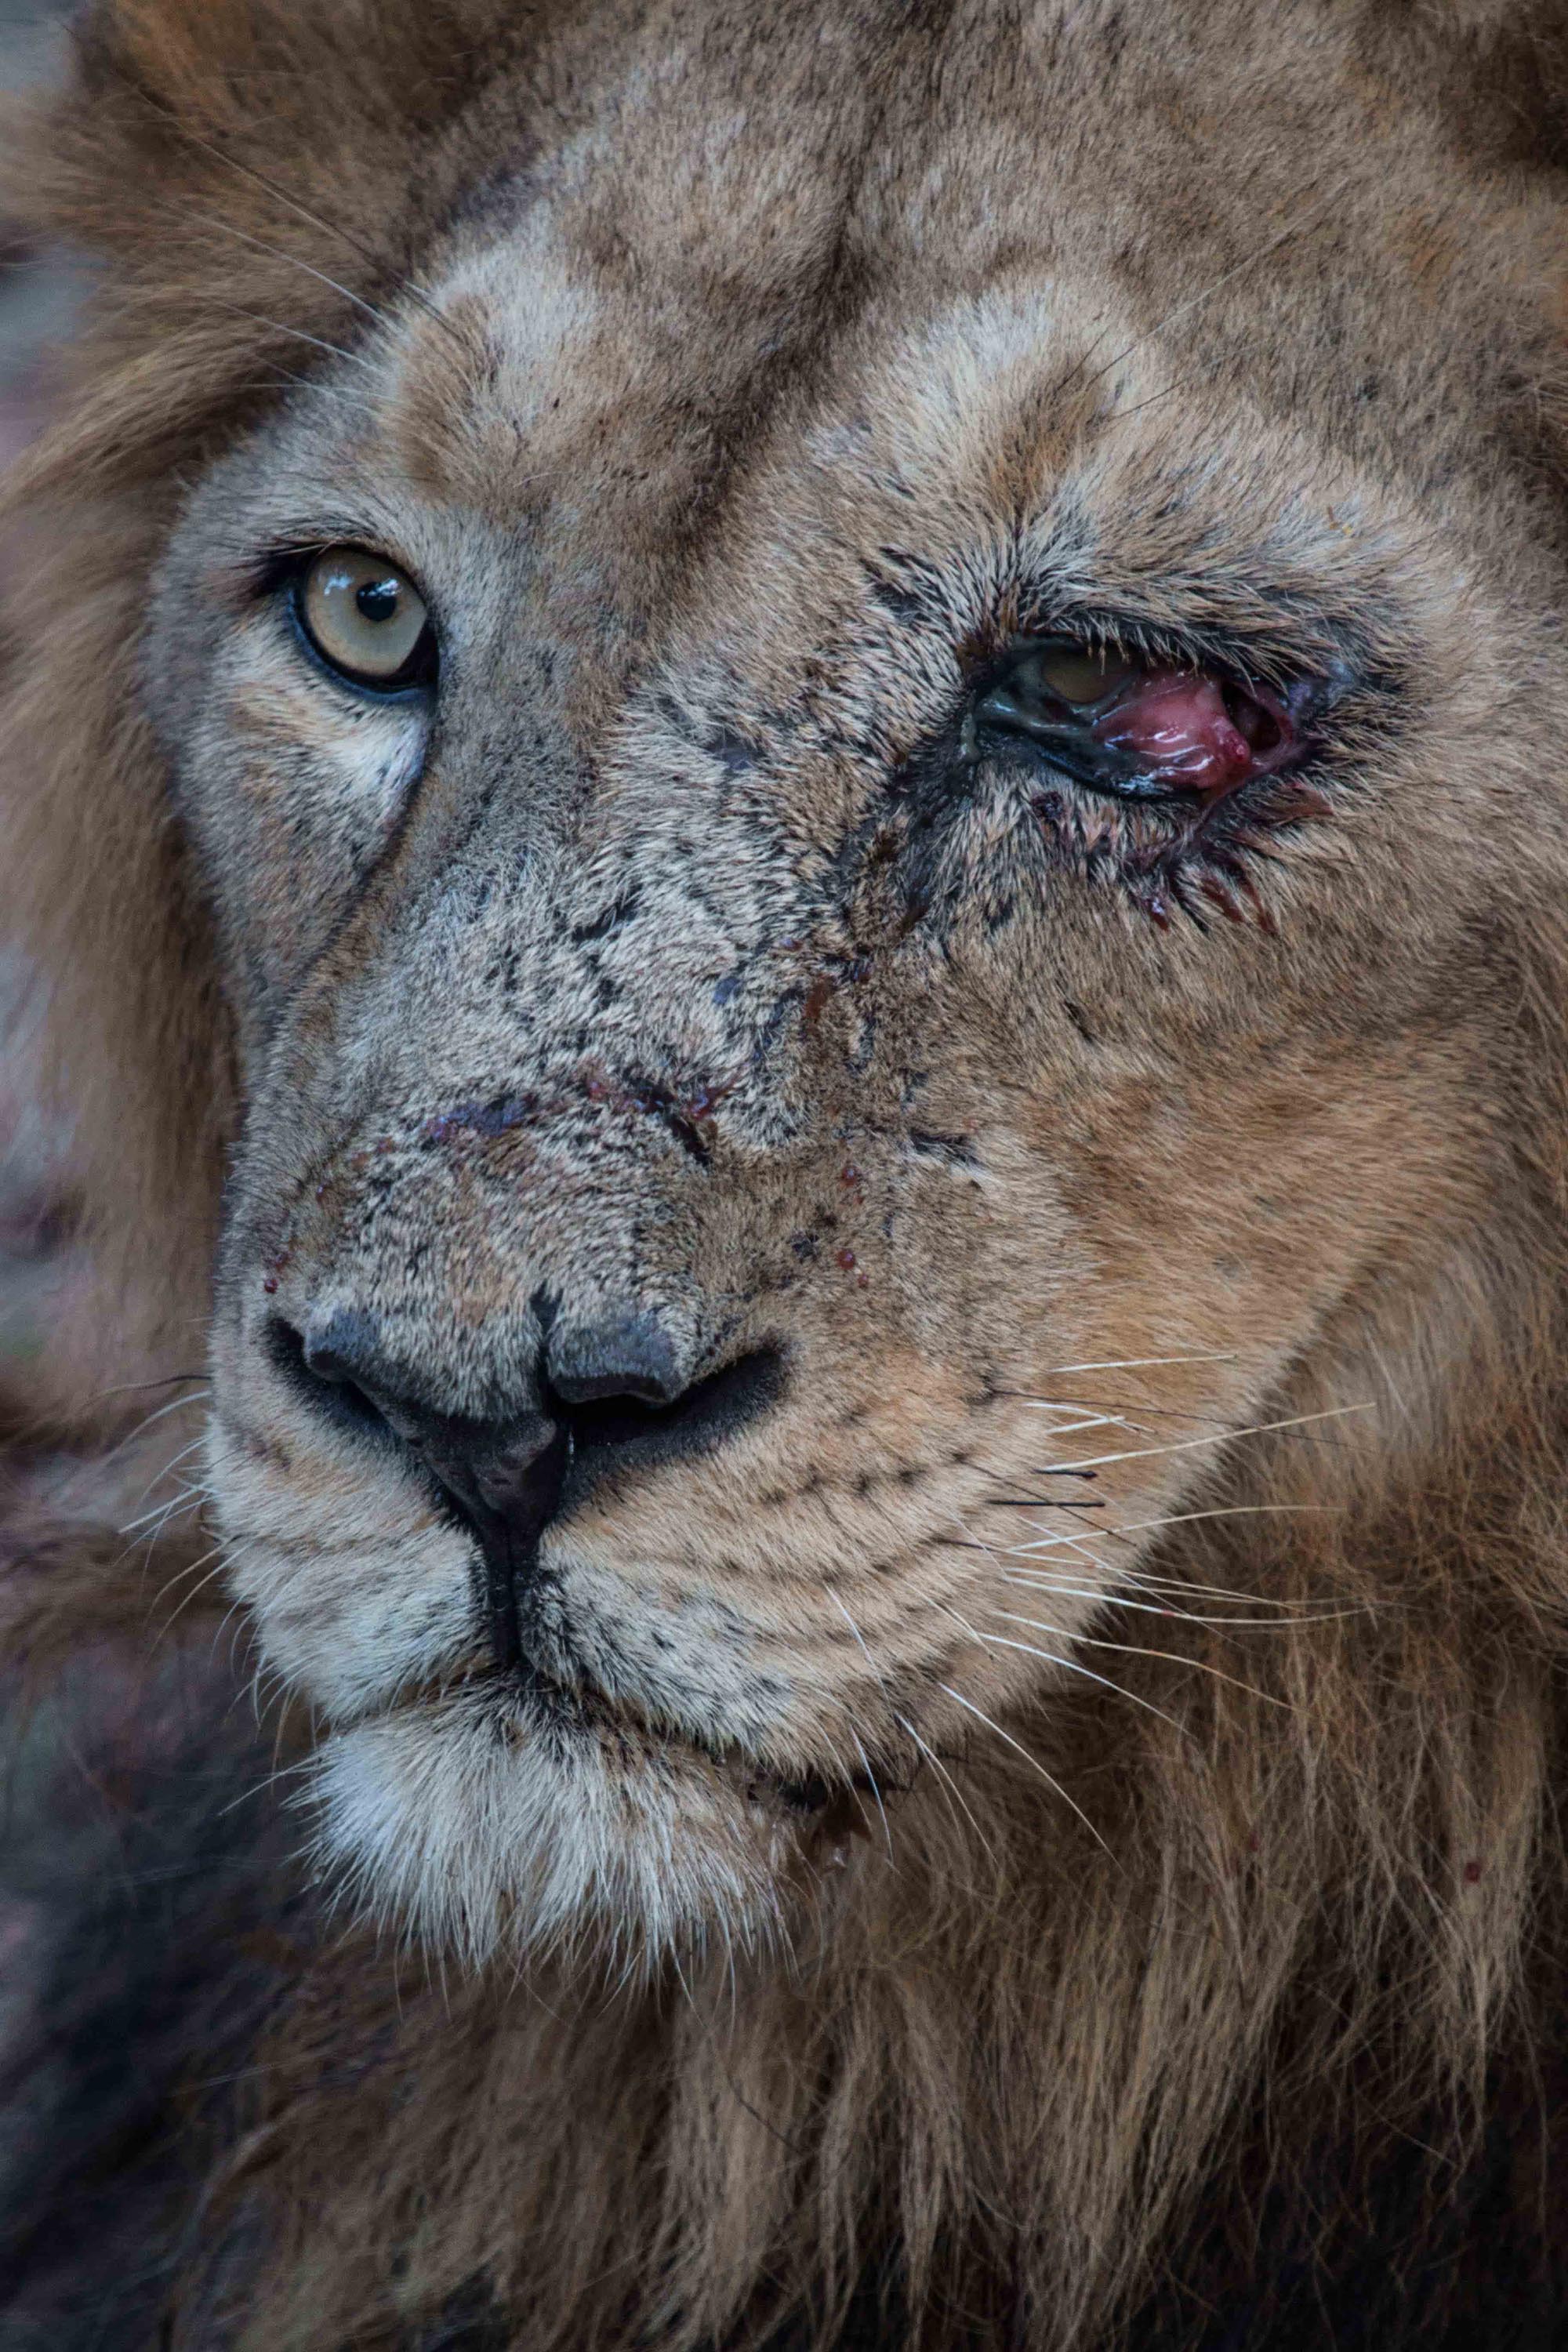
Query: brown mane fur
1314	1932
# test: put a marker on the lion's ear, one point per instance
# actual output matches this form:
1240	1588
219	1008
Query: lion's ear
242	172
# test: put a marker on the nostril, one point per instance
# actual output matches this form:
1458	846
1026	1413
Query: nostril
623	1429
321	1377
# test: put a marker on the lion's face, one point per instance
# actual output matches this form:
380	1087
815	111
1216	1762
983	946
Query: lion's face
870	917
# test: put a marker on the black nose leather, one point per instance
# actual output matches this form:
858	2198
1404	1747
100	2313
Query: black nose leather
504	1476
607	1394
625	1355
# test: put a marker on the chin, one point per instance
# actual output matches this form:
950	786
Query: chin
491	1824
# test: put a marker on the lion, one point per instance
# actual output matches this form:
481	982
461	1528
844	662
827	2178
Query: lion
771	768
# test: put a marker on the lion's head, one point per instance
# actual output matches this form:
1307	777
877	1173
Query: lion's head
879	847
853	729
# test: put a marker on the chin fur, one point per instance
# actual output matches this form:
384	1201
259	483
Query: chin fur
485	1827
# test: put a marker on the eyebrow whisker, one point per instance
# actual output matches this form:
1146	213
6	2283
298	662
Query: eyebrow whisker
296	334
407	285
294	261
1296	227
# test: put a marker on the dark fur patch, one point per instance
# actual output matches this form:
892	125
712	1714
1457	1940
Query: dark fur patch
153	1928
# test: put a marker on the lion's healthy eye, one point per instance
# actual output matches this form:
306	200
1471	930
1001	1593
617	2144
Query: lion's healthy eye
365	618
1145	729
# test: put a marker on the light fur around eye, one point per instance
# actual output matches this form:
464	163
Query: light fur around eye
365	618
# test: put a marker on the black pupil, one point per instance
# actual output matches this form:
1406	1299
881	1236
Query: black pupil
377	599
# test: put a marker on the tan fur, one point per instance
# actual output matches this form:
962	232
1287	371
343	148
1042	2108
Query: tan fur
732	381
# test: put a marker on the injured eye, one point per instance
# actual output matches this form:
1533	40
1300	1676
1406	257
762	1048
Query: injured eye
1143	729
366	619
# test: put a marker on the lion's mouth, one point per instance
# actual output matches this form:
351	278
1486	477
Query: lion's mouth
530	1703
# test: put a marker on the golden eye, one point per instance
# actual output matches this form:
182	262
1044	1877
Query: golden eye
1072	673
366	618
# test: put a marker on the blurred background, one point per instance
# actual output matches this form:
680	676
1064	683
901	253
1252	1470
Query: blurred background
36	296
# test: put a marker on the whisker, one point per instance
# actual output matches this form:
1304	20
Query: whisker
1146	1580
876	1791
1052	1783
129	1388
165	1470
1120	415
1090	1417
230	1613
162	1514
189	1500
1194	301
164	1511
223	1559
1145	1411
99	1461
293	261
1063	1541
853	1733
267	1782
1044	1503
1001	1642
1219	1437
312	384
1014	1477
952	1790
295	334
1111	1598
178	1575
378	262
1132	1650
1139	1364
1163	1589
1221	1511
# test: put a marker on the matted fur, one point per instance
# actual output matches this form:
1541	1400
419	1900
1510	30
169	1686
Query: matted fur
1197	2001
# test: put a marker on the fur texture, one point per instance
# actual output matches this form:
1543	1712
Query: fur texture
1045	1828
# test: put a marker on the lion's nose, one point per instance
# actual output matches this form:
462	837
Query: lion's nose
605	1394
504	1474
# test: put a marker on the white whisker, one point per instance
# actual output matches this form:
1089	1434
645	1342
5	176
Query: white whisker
163	1512
1050	1782
1133	1650
956	1793
297	335
292	261
224	1559
1304	221
1052	1657
407	285
1111	1598
1088	1418
1219	1437
97	1462
876	1791
1138	1363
